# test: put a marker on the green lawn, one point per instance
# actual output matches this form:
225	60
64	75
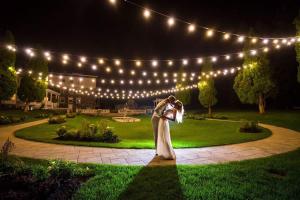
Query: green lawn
284	118
192	133
274	178
269	178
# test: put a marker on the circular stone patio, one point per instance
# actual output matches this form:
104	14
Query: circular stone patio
282	140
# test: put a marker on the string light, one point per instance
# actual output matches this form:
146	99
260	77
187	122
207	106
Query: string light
100	61
209	33
171	21
191	28
170	62
265	41
154	63
138	63
254	40
214	59
94	67
83	59
121	71
107	69
113	2
241	39
227	57
147	13
132	72
185	61
117	62
199	60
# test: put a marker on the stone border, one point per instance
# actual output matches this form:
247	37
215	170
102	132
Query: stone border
282	140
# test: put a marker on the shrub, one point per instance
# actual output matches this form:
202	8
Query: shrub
61	132
89	132
57	119
71	115
15	119
42	115
109	136
250	127
103	125
6	148
4	120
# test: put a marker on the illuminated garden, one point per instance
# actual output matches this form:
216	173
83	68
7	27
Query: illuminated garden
132	99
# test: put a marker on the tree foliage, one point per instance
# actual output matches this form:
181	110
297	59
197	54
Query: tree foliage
8	81
207	91
31	90
254	84
185	95
8	84
297	45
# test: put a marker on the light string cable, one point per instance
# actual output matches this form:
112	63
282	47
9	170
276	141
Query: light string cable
83	60
192	26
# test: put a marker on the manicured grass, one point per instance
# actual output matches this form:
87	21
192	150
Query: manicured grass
289	119
275	177
192	133
269	178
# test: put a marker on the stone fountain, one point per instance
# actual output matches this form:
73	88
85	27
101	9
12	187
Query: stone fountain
125	118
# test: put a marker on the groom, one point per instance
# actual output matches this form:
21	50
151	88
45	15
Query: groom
158	113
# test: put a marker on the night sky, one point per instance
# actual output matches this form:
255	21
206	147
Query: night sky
95	28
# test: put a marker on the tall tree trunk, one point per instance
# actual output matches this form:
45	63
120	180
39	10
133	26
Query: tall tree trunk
209	111
261	104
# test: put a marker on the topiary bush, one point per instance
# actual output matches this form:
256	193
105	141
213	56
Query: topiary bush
250	127
57	119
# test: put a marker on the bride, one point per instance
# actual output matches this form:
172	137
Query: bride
164	144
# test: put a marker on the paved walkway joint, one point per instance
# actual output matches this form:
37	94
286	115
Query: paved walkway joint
282	140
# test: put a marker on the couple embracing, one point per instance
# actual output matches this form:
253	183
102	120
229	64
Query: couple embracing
168	109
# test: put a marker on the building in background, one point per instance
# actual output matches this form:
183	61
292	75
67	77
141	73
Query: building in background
66	84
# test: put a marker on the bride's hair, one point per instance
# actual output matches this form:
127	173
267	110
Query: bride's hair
178	105
180	111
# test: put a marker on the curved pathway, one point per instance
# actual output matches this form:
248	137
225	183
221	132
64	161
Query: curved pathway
282	140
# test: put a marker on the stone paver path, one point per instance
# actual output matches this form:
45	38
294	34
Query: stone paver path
282	140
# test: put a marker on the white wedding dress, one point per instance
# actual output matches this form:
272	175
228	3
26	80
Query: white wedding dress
164	143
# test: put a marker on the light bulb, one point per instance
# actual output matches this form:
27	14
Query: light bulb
226	36
147	13
171	21
209	33
191	28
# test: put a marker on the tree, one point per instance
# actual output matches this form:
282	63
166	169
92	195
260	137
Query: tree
297	45
207	91
31	90
8	80
254	84
183	95
8	84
